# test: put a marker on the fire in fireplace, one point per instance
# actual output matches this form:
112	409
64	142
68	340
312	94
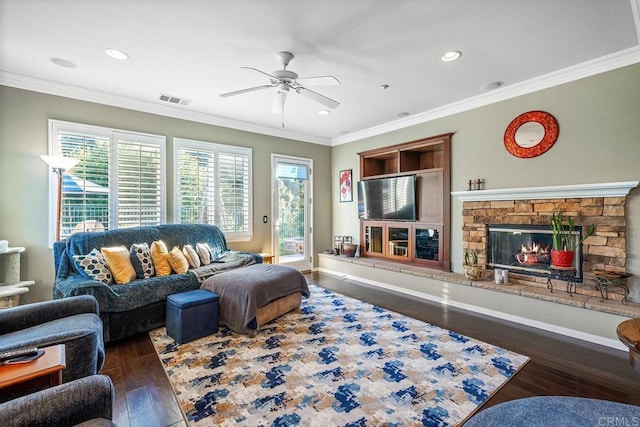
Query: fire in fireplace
525	249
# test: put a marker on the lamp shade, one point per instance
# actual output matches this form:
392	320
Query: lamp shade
60	162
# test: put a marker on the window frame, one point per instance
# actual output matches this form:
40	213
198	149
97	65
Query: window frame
58	126
213	147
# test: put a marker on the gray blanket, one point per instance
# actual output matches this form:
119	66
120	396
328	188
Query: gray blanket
243	290
228	261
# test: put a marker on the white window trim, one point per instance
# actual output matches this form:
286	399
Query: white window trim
56	126
179	143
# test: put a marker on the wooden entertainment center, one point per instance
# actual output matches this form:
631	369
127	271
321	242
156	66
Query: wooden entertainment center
425	241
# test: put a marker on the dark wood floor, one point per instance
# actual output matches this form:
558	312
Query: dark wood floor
558	366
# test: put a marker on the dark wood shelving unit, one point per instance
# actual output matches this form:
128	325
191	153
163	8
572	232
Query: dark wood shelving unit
426	241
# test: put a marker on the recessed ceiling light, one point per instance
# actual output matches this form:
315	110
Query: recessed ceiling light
491	86
116	54
452	55
324	112
62	62
402	114
384	87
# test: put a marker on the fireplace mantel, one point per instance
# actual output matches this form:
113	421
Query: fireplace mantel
607	189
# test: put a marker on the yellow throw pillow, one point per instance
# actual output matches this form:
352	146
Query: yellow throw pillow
119	263
191	255
178	261
160	258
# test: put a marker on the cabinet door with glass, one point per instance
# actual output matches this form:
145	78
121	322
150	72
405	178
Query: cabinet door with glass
373	238
427	244
398	242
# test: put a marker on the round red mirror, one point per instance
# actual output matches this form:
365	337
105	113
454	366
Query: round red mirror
531	134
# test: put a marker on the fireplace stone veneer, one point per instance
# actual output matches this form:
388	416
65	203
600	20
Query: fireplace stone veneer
604	250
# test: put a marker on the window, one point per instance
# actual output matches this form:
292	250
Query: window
118	181
213	186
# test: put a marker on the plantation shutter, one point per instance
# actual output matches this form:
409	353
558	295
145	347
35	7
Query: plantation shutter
197	186
118	181
85	188
139	180
214	186
233	194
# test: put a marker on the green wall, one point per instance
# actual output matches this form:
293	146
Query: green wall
599	141
24	177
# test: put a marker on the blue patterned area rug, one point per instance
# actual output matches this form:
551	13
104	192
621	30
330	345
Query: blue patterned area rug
335	362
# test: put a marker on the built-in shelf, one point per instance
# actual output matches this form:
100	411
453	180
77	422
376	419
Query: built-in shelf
426	240
607	189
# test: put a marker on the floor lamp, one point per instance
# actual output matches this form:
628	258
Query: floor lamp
59	165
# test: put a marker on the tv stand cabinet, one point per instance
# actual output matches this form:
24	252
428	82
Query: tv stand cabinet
427	240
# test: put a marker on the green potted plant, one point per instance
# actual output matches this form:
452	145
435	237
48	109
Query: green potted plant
565	240
472	270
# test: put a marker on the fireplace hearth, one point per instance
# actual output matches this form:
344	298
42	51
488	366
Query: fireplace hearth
525	249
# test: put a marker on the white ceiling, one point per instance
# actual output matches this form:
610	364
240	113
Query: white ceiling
194	50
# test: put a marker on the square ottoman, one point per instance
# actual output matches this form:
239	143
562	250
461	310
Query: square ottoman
192	315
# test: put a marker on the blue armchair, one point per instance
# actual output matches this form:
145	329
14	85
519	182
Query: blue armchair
87	400
73	322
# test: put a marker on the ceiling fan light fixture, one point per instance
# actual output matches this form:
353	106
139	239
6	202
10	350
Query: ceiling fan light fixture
451	55
116	54
285	81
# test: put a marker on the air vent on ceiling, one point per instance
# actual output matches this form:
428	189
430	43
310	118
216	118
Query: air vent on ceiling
174	99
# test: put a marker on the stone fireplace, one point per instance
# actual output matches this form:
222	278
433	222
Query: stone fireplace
529	209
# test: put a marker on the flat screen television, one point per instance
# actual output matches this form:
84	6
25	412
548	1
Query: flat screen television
388	198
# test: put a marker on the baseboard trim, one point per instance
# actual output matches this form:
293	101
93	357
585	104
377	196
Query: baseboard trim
594	339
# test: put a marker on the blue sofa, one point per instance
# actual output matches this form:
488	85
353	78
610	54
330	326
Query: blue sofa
139	305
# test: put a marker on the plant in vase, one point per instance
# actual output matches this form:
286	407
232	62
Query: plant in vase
471	268
565	239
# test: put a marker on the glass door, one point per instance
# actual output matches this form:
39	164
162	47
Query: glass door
292	225
398	240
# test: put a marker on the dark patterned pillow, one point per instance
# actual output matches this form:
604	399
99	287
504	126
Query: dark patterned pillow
93	266
141	259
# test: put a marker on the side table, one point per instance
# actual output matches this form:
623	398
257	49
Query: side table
45	370
565	274
629	333
267	258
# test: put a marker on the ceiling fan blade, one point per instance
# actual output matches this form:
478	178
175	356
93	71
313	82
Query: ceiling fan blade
241	91
319	81
278	102
328	102
262	72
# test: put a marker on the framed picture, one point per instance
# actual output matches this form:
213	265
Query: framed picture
346	187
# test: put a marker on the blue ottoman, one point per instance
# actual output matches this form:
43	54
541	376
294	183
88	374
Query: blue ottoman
192	315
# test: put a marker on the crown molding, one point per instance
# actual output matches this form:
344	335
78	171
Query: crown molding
606	189
586	69
82	94
600	65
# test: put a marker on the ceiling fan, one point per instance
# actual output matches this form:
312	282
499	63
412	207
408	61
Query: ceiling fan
285	80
